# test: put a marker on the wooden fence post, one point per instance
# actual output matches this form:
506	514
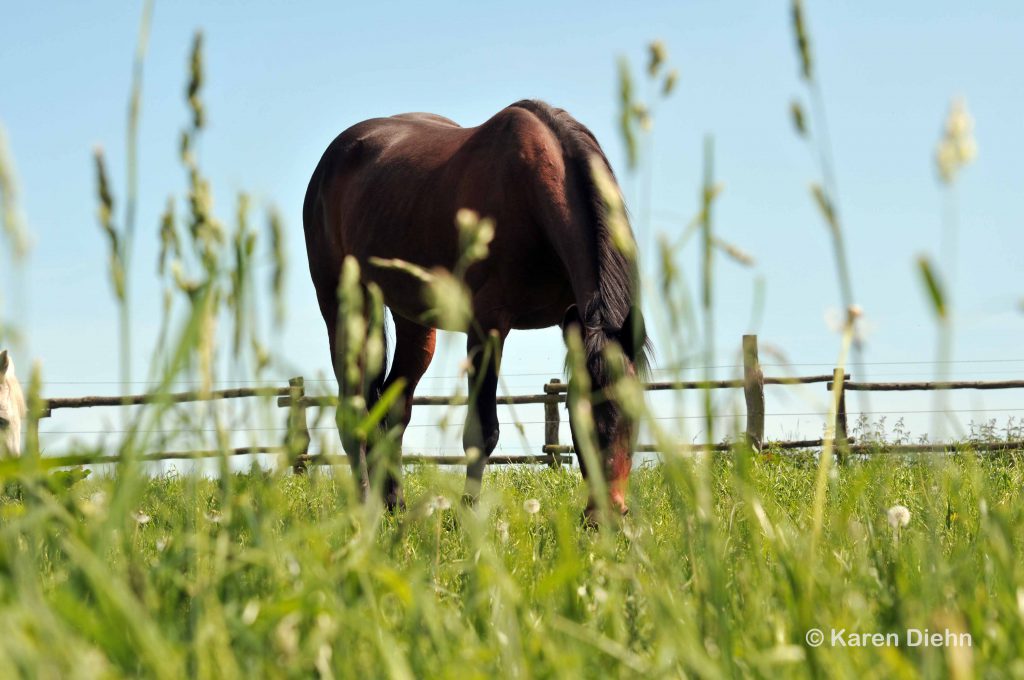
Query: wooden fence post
753	392
551	424
297	437
840	435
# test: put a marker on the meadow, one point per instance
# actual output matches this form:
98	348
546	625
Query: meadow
276	575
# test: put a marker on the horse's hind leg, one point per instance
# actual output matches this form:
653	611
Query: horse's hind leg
480	437
354	381
414	349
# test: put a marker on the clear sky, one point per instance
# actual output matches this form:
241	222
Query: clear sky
284	78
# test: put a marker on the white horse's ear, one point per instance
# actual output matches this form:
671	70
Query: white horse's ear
5	362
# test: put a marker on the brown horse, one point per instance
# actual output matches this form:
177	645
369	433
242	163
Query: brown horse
391	187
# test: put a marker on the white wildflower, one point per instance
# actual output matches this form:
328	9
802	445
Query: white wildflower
437	503
162	543
213	517
899	516
531	506
287	634
838	321
141	518
95	504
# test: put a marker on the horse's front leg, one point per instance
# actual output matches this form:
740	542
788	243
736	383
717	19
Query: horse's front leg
480	437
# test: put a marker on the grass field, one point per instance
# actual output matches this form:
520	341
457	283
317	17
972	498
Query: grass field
285	576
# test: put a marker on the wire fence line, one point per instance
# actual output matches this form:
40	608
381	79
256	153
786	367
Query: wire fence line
700	416
297	402
667	369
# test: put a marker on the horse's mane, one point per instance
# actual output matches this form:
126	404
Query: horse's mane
618	279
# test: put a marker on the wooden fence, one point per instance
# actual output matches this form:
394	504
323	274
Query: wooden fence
295	444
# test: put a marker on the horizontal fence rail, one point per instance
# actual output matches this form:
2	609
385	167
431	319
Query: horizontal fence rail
562	388
295	446
172	398
330	401
923	386
722	447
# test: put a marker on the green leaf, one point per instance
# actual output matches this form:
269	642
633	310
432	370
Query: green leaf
933	285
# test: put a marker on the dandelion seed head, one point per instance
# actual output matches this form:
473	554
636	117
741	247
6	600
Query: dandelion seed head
95	504
898	516
531	506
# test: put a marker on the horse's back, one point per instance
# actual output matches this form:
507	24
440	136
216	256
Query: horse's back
425	118
427	140
381	140
381	161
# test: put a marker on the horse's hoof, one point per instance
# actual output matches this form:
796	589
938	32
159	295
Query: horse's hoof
588	520
591	517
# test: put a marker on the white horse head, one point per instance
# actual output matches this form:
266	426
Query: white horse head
12	408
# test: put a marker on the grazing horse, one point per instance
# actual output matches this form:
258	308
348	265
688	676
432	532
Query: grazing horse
12	408
390	188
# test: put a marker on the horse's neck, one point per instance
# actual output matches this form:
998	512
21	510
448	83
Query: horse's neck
15	395
14	408
12	439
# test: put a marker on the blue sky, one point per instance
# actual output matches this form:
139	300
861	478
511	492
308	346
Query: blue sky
284	78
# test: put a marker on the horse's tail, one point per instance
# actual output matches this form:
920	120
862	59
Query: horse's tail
614	308
377	381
